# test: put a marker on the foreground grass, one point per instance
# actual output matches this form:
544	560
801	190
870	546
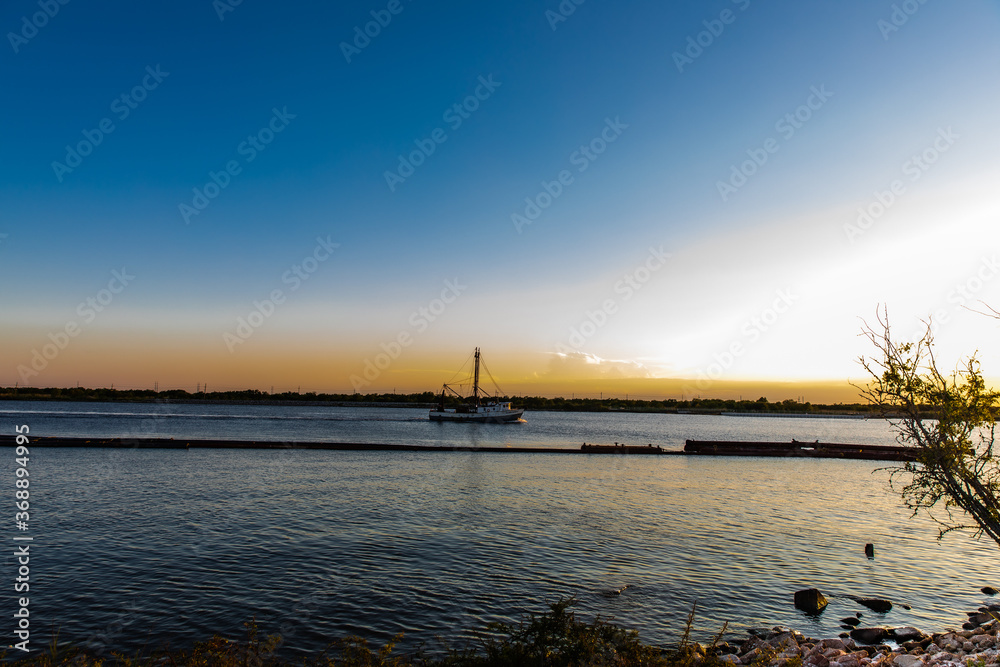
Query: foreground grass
555	637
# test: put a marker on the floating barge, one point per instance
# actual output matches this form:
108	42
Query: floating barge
691	448
623	449
817	449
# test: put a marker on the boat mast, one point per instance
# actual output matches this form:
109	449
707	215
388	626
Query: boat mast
475	383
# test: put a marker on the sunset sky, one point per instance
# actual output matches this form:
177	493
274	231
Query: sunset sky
611	196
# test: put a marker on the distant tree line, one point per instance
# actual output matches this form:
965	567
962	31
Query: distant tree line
610	404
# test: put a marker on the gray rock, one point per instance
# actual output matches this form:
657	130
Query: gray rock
906	660
810	601
869	635
782	640
907	634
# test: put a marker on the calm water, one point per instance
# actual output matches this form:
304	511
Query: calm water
135	546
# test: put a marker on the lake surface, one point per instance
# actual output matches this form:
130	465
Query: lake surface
133	547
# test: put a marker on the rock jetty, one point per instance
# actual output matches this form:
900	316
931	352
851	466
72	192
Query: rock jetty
976	646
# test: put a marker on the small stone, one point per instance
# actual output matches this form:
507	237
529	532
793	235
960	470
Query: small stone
989	590
850	620
906	661
722	648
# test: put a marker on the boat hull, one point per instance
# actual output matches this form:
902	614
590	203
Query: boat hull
496	417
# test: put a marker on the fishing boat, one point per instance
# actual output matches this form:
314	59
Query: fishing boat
479	407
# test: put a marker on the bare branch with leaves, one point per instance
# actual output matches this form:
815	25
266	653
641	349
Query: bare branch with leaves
949	419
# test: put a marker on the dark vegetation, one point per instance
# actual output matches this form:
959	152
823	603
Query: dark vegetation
555	638
427	398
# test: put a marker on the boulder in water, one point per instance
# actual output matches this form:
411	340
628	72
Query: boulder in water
875	604
810	600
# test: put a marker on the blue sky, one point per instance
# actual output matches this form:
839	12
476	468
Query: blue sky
886	95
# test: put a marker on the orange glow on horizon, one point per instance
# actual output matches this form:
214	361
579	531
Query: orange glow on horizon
188	361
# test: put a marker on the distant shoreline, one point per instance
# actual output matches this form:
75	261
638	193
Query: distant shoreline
426	400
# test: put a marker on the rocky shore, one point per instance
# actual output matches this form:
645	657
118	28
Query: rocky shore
976	644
